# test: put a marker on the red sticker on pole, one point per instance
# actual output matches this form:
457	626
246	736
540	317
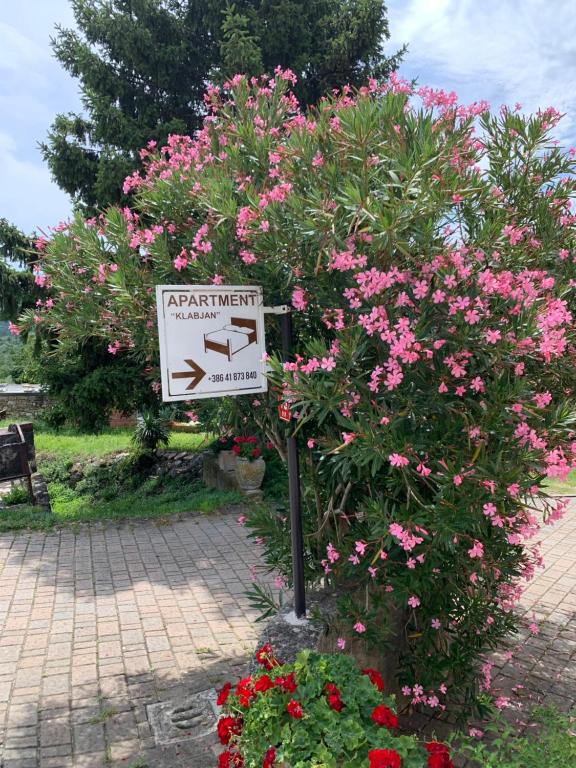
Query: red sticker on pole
284	412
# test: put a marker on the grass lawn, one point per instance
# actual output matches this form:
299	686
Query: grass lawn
146	498
69	444
69	508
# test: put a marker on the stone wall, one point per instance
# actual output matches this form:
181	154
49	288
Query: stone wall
23	405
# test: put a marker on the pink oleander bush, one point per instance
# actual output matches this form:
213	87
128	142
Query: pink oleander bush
428	250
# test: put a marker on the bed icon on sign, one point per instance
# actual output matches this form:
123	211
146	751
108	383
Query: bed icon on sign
238	334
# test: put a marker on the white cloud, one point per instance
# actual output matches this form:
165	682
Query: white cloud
17	50
28	197
501	50
33	89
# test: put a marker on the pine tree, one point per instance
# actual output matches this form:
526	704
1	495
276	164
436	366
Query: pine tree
143	66
17	288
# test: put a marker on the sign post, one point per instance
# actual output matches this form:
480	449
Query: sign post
294	488
212	344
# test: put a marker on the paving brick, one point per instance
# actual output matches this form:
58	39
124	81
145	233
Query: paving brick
102	621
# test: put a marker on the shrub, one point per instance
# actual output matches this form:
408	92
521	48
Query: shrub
319	711
429	252
16	495
152	430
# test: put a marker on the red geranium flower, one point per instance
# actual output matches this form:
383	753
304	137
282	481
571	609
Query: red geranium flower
375	678
438	755
269	758
227	727
294	709
265	657
382	715
334	702
288	683
256	453
230	760
263	684
245	692
333	697
384	758
224	693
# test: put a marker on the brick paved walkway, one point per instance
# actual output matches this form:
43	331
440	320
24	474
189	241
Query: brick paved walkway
99	622
544	665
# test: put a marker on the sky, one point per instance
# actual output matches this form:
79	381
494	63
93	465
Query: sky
504	51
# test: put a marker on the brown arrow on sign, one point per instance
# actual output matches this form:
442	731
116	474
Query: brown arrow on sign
196	374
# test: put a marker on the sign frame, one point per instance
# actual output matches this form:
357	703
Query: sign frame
190	369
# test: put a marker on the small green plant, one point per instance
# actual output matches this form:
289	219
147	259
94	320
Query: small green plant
262	599
319	711
140	762
549	741
16	495
103	715
152	429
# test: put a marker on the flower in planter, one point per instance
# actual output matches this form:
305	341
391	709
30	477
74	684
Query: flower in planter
224	693
339	714
265	657
294	709
227	728
247	448
230	759
384	758
438	755
382	715
375	678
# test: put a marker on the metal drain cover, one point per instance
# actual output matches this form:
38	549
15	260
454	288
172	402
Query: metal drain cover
192	718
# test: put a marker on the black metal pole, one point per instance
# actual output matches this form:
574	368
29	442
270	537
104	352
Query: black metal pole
294	490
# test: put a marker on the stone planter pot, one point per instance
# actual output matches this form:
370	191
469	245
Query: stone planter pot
249	474
227	461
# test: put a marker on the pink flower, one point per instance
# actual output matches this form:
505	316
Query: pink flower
317	160
14	330
492	337
328	363
413	601
332	553
435	623
310	443
360	547
217	280
359	627
299	301
542	399
489	509
348	437
477	550
397	460
341	643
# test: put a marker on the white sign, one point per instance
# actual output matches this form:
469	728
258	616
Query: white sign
211	340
